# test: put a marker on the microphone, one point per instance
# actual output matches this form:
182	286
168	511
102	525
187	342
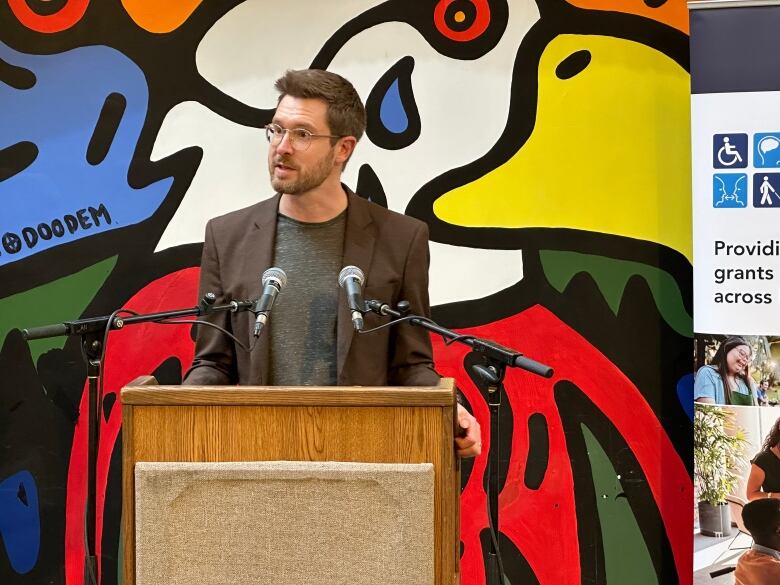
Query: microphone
274	280
351	279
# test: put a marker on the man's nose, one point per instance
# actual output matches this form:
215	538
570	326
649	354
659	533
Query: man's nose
285	144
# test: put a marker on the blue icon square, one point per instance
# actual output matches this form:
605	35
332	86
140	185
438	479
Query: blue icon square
729	151
766	150
766	190
729	190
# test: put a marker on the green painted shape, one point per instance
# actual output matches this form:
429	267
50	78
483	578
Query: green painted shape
611	277
61	300
626	557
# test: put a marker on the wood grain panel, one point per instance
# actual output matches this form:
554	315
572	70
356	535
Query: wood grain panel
332	424
128	494
288	395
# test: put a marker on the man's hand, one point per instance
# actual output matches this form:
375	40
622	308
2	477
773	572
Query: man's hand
470	444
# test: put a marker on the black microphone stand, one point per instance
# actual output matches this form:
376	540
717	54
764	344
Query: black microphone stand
92	332
495	359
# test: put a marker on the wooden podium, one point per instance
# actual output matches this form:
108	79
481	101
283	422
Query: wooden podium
296	424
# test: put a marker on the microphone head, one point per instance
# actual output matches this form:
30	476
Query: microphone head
351	272
275	276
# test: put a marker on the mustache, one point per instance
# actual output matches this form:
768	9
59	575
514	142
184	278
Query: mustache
282	160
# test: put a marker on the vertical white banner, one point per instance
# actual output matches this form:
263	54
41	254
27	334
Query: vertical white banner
735	133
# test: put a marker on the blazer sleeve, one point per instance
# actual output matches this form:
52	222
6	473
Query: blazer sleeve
214	362
411	353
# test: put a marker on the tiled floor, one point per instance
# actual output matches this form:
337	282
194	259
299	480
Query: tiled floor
711	554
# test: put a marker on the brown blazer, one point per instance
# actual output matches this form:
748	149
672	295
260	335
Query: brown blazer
390	248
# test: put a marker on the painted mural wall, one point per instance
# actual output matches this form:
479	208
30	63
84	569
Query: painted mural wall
546	145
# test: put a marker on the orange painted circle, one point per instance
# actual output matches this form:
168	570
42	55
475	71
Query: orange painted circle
479	26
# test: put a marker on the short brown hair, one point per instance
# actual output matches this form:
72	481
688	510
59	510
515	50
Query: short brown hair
346	114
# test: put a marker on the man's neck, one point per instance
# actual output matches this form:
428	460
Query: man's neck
768	547
317	205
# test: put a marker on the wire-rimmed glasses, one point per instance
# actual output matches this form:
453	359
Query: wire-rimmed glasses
300	138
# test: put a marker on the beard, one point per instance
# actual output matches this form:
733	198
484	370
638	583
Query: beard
307	179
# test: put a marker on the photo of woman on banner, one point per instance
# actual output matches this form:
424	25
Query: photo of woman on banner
764	479
726	379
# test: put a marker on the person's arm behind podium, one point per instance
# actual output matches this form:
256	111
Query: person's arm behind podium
214	362
411	359
411	353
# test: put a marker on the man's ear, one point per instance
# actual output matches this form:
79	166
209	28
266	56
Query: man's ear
344	149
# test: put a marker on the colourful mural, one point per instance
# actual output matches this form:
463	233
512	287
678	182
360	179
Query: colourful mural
546	145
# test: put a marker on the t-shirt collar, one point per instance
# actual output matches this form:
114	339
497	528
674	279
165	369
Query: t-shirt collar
766	550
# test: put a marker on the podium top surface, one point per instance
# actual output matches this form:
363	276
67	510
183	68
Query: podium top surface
144	391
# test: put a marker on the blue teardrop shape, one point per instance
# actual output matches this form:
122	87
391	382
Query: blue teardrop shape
685	394
392	119
392	112
20	523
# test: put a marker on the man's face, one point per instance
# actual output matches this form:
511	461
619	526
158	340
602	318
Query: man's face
294	169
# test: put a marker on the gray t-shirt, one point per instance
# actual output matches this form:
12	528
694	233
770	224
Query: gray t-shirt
302	327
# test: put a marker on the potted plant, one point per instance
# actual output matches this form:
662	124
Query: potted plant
717	457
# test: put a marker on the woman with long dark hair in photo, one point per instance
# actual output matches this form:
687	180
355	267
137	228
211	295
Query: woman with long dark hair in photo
726	380
764	479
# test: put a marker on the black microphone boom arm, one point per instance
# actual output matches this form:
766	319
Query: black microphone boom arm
490	349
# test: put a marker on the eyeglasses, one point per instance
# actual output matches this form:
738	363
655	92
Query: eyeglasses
300	138
744	354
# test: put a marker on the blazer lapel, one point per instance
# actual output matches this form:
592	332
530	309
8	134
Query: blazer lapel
359	238
259	256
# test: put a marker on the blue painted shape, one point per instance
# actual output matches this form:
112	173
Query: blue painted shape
392	112
20	522
59	114
685	394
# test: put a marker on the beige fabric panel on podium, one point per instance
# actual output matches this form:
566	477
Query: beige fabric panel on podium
245	523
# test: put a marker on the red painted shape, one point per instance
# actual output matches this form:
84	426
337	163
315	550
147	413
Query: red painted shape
61	20
549	545
542	523
132	352
480	24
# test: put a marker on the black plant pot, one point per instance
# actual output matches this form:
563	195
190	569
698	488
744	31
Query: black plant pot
714	520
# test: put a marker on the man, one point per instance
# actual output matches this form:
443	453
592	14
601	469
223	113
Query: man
310	229
761	393
761	564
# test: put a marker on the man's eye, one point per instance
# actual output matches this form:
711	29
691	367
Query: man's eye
300	133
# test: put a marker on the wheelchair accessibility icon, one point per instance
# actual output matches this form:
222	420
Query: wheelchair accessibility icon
728	155
729	151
